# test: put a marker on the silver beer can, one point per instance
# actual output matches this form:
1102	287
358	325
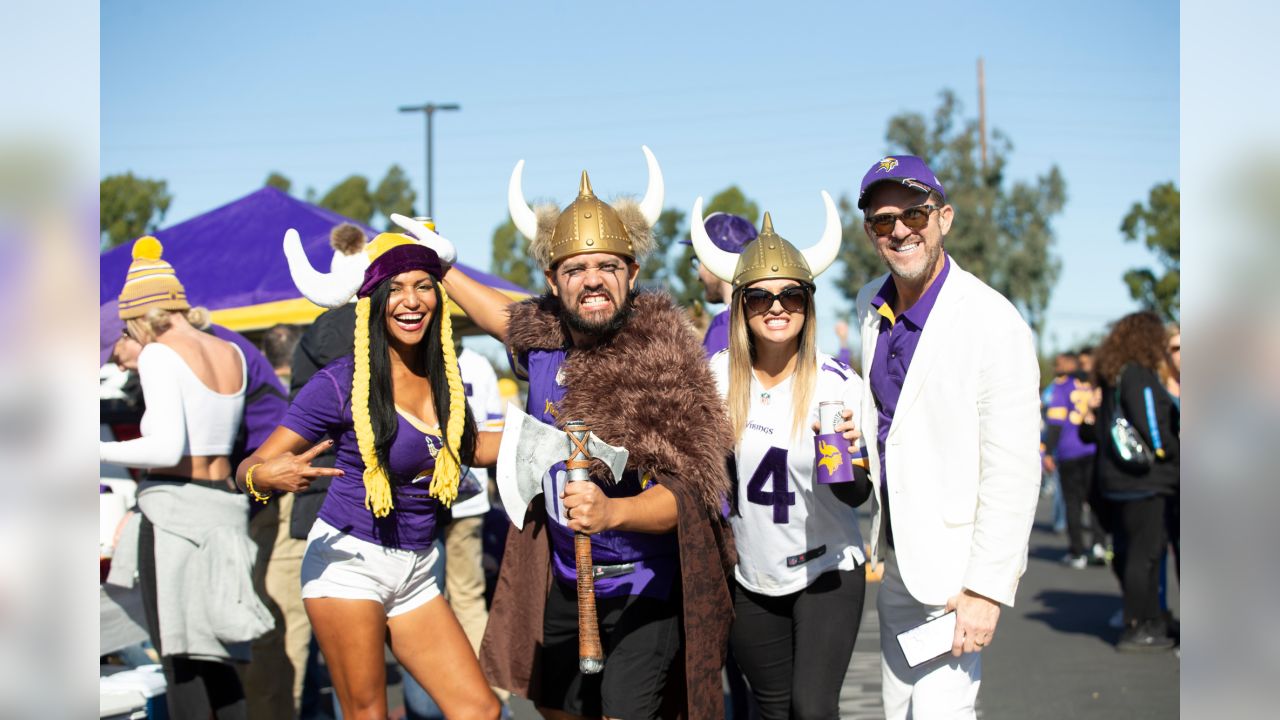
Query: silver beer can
830	414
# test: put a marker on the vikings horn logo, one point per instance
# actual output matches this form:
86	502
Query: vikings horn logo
830	457
887	164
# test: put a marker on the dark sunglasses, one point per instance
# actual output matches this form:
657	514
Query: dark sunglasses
758	300
915	218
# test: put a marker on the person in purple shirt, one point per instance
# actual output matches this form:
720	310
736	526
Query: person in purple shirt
628	364
952	424
1066	402
395	413
730	233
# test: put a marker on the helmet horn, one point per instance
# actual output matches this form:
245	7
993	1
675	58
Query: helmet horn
721	263
444	249
824	252
328	290
651	205
521	214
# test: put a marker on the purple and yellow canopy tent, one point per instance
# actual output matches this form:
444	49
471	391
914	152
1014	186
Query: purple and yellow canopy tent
230	260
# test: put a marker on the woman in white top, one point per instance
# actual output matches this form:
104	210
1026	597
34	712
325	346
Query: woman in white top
799	582
194	387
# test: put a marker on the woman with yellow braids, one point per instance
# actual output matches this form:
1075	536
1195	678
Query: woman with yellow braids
395	412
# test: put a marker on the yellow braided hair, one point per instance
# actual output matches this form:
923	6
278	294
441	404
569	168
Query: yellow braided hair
377	488
444	481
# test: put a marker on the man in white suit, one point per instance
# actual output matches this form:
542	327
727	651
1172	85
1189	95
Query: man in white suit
952	427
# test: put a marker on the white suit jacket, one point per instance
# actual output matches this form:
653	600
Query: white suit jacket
963	450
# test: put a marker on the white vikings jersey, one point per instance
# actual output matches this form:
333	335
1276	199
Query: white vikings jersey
481	385
788	529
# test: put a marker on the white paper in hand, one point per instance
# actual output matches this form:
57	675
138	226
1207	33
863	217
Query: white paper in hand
923	643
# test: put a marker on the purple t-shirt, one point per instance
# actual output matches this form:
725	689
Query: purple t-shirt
1066	404
717	337
322	409
895	346
656	556
265	398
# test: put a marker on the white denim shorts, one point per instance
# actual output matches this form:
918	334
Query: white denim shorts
339	565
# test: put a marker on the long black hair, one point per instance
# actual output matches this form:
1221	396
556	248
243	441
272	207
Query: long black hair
429	361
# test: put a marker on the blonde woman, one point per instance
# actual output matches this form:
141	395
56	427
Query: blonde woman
799	581
395	414
192	522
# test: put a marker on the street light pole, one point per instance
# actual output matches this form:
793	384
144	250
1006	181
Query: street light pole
429	109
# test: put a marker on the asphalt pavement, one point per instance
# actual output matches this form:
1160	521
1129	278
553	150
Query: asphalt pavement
1053	654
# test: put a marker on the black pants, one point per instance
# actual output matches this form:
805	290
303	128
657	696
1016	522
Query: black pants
640	637
1140	536
795	649
197	689
1077	483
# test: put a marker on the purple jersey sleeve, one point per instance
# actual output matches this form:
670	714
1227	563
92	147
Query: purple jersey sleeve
318	408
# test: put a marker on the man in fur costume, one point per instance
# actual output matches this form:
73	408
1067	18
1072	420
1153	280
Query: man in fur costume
631	366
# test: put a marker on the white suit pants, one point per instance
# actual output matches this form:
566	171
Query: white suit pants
941	689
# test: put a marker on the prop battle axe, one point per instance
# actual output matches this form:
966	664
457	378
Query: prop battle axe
529	449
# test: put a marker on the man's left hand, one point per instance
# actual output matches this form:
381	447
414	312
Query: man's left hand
976	618
587	507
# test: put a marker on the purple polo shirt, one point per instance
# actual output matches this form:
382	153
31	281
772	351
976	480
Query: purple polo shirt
322	409
656	556
717	337
895	346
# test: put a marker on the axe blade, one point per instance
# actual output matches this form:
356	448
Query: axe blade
528	450
613	456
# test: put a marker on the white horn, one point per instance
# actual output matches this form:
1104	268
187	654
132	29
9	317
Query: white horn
324	289
721	263
426	236
824	252
651	205
521	214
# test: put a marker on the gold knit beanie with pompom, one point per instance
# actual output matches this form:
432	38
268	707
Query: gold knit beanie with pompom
151	282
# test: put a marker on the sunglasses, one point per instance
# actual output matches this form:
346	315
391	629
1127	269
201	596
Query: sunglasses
758	300
915	218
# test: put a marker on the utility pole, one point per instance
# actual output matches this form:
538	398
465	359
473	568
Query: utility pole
429	109
982	113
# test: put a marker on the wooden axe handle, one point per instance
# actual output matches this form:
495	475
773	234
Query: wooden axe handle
590	653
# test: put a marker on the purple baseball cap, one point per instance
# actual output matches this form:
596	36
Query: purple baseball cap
907	170
728	232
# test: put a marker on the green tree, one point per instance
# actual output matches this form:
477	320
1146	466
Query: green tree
394	194
1002	231
512	260
350	198
733	201
1157	225
130	207
279	182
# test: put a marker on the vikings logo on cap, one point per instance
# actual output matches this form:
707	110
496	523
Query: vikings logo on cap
887	164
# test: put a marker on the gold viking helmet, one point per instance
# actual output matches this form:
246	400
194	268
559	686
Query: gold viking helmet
588	224
769	256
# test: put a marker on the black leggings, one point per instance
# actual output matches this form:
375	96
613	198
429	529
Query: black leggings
795	649
1141	537
196	688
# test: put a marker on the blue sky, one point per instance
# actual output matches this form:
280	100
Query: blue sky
782	99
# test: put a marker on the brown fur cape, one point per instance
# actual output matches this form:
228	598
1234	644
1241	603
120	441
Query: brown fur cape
648	388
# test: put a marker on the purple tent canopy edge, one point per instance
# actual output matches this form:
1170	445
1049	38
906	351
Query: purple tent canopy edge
231	256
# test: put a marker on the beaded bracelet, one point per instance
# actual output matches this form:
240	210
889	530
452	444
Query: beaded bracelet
248	483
